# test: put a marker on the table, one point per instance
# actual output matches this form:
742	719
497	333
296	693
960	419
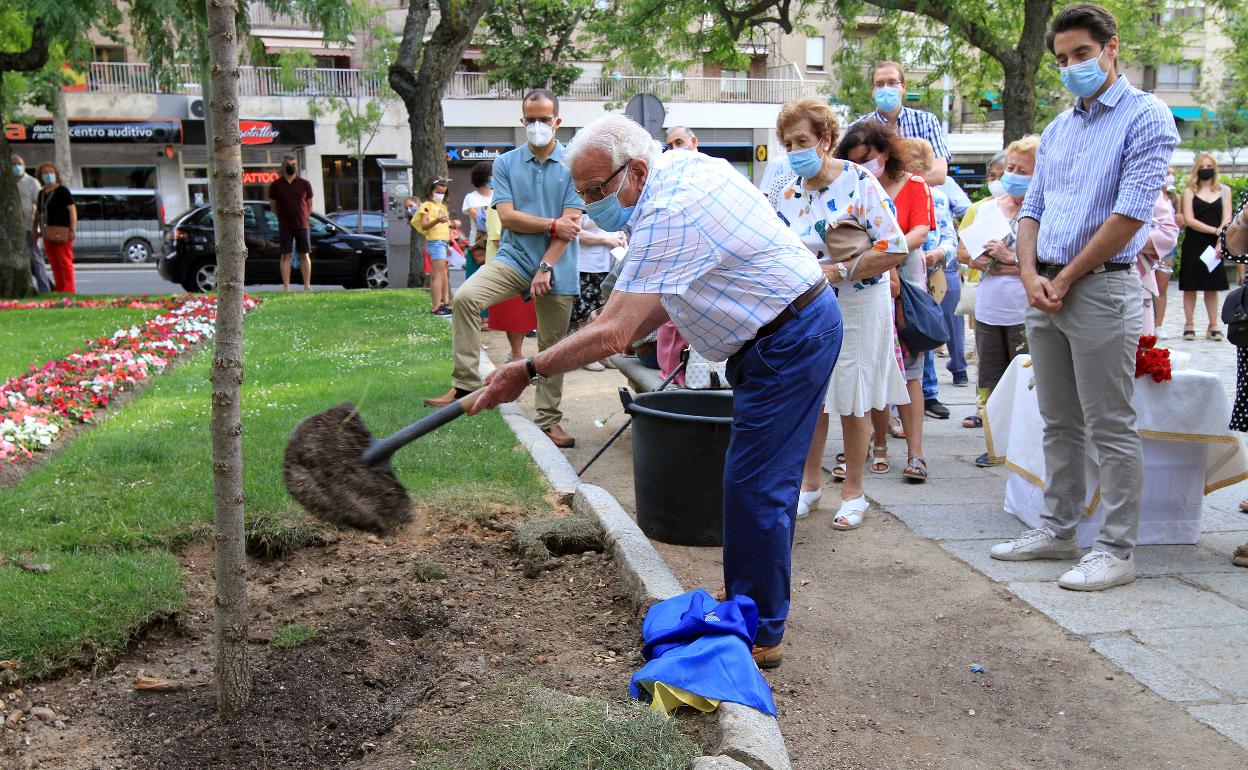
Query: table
1188	451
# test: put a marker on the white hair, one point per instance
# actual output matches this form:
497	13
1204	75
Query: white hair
621	138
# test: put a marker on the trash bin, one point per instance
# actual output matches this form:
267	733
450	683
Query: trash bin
680	439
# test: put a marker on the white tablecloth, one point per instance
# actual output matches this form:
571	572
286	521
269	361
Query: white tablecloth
1188	451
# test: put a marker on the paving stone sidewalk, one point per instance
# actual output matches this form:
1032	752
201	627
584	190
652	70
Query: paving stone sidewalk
1181	629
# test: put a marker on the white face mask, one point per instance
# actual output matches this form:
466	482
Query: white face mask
996	188
539	133
874	167
439	196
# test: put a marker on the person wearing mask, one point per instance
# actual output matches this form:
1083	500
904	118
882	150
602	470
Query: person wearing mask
876	148
1206	210
941	254
56	220
1234	247
27	195
290	197
682	138
595	262
433	221
1001	300
1078	235
540	213
825	192
741	288
888	87
1166	267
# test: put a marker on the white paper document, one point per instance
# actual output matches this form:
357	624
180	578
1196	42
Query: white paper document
990	224
1211	259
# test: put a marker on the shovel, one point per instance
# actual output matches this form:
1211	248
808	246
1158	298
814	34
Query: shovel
340	473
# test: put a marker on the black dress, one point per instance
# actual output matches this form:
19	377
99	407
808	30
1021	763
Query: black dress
1193	274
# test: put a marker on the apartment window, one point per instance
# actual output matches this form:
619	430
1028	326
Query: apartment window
1183	9
814	54
109	53
1177	77
734	83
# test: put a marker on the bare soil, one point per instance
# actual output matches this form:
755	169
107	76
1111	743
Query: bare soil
415	633
884	629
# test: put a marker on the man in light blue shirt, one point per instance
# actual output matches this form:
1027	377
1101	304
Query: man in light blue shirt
1100	167
540	214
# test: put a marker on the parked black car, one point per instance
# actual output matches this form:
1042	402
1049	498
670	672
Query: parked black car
339	256
367	223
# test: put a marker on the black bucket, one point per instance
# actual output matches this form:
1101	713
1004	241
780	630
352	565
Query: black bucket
680	439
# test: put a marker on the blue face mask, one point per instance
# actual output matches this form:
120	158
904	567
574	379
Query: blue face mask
608	213
49	178
806	162
18	169
1084	78
1015	184
887	98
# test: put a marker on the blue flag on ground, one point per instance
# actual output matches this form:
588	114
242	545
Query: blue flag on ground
697	644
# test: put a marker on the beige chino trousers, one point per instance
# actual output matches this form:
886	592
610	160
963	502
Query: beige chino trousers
1084	362
492	283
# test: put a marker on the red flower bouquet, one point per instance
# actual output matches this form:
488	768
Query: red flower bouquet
1152	361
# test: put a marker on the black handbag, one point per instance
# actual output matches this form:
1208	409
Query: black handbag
1235	316
921	324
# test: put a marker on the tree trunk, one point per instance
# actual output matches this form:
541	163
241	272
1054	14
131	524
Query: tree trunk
63	155
231	670
1018	100
15	280
419	76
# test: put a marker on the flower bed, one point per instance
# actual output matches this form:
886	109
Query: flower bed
134	303
37	407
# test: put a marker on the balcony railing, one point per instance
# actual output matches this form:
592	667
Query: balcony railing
138	77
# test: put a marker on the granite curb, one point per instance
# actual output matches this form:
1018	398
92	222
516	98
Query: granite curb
747	738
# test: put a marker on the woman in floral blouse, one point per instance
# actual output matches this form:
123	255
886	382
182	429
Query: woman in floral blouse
823	192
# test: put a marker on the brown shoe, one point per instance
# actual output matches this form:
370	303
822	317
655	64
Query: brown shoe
562	440
768	657
444	400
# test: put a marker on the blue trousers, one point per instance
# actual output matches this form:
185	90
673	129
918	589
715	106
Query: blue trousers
955	324
778	385
929	375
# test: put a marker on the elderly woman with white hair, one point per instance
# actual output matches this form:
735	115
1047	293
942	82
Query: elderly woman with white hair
706	252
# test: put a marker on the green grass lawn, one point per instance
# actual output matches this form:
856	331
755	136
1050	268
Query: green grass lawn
37	336
117	500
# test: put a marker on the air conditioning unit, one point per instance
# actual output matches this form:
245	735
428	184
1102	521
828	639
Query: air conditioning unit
195	107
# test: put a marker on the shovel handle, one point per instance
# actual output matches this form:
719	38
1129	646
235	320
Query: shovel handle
379	452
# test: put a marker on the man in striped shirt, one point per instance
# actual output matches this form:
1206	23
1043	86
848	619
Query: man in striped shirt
888	87
740	287
1099	169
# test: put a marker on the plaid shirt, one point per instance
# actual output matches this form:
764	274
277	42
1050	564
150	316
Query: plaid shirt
916	124
1110	159
706	239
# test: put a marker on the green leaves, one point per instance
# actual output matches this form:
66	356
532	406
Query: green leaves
530	42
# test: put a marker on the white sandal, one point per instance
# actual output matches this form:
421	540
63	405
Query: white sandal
851	514
807	502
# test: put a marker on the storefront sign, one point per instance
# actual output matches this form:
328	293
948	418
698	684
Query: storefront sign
99	131
257	132
259	175
473	154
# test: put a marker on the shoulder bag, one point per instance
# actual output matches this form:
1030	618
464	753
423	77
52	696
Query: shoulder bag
846	240
1235	316
920	323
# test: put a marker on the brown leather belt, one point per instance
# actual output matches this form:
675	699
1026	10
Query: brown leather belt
1050	271
795	307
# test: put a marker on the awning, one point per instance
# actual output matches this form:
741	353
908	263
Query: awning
1189	113
315	44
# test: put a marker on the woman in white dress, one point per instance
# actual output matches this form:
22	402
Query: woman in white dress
823	192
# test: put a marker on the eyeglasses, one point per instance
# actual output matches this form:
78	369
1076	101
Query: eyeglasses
530	121
599	192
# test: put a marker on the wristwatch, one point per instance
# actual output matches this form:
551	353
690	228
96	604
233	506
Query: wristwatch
543	267
534	377
842	270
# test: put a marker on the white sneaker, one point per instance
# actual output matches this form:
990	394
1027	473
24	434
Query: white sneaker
1035	544
594	366
1161	334
807	502
1097	571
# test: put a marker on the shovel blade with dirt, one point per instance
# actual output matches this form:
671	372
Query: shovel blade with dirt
341	474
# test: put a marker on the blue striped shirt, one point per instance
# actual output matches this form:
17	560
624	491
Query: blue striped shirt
916	124
707	241
1110	159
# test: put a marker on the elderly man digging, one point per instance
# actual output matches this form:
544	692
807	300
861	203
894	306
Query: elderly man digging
707	251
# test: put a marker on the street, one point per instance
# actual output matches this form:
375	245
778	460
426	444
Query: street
118	278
